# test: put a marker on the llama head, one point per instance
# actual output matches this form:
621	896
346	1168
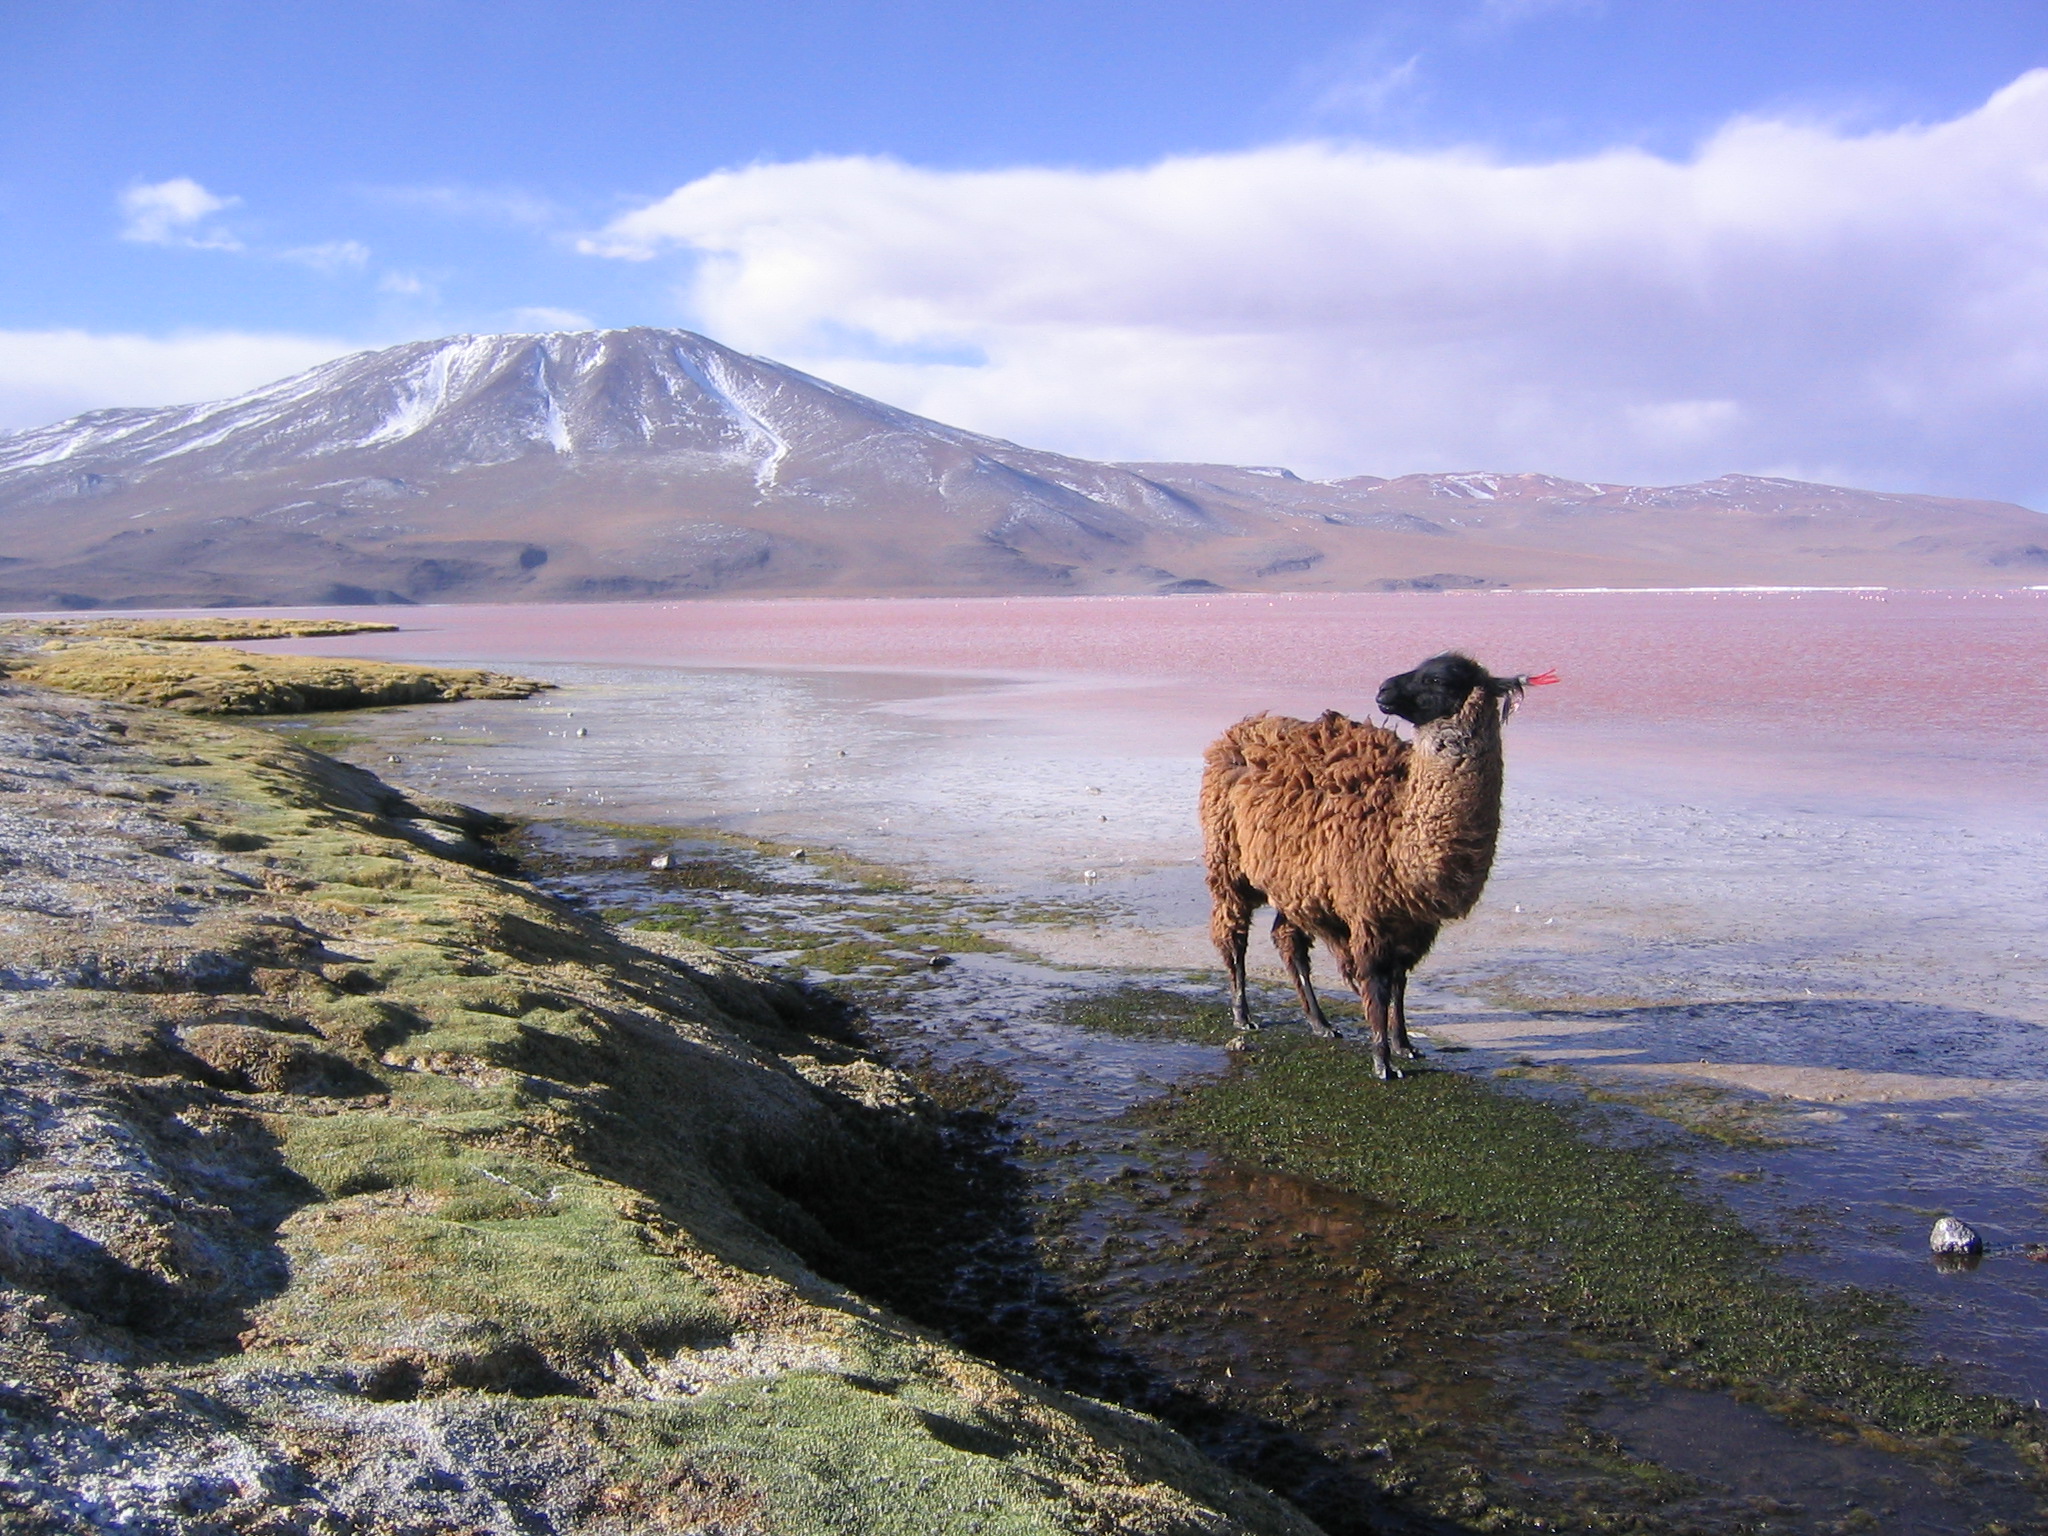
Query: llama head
1440	687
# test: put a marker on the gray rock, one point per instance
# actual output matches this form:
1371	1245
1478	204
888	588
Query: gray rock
1952	1236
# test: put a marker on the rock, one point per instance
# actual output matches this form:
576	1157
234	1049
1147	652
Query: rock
1952	1236
661	861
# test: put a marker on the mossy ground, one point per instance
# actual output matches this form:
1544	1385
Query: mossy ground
1531	1195
1156	1013
577	1194
221	680
1420	1250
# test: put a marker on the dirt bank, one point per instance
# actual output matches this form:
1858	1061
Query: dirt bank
348	1183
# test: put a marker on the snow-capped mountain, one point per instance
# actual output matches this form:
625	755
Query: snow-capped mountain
644	462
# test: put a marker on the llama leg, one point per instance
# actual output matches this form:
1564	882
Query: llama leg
1293	945
1403	1046
1379	988
1230	925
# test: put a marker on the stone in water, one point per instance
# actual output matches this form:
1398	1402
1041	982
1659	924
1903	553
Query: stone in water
1951	1236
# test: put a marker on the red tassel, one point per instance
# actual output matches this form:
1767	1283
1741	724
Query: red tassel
1540	679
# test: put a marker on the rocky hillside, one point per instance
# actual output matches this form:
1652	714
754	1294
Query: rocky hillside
647	463
350	1184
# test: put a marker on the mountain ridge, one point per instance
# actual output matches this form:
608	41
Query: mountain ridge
639	463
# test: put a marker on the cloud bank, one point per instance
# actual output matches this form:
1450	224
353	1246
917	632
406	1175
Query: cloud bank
1795	298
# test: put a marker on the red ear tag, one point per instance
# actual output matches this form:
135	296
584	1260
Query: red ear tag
1541	679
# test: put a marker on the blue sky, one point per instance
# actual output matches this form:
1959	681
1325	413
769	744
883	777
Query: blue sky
199	194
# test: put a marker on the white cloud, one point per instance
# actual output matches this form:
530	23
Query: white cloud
46	376
1871	306
174	212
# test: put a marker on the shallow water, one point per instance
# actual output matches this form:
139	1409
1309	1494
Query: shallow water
1788	845
1227	1300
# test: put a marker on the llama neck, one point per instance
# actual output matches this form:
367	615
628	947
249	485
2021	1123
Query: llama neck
1450	816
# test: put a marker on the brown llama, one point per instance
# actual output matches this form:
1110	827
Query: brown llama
1356	837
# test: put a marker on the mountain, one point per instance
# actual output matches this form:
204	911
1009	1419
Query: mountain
651	463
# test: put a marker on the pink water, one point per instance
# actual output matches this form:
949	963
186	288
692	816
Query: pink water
1938	692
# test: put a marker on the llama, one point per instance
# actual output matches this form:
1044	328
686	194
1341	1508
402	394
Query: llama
1357	837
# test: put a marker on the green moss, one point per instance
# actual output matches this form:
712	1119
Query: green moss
1149	1013
1610	1237
956	939
870	1464
332	743
342	1155
561	1271
842	957
707	925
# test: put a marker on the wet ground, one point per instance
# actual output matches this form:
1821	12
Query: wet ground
1312	1339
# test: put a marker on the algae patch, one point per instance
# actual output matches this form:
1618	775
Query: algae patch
1608	1235
1150	1012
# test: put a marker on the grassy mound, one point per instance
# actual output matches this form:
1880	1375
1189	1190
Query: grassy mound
406	1198
211	680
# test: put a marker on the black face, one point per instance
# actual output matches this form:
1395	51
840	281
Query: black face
1437	688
